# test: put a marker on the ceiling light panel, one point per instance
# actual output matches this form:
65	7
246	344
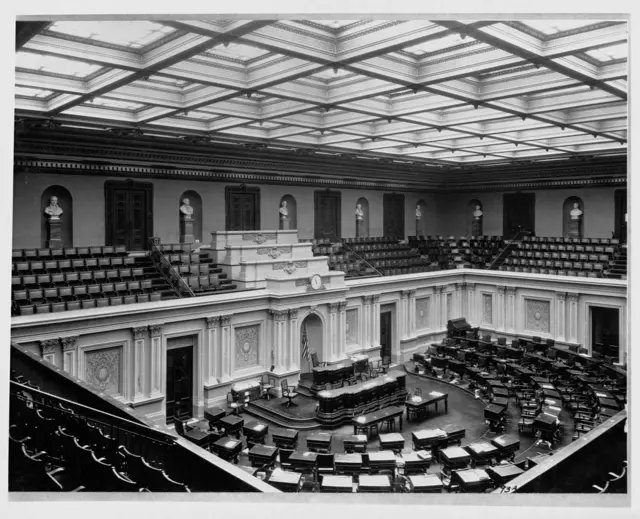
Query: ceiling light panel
54	65
133	34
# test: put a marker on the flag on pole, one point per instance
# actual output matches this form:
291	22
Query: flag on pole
305	342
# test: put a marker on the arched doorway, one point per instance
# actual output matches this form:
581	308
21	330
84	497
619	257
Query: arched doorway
65	202
567	207
311	335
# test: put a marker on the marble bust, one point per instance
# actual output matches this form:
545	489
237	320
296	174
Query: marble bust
575	213
53	210
418	212
359	212
186	209
284	212
477	214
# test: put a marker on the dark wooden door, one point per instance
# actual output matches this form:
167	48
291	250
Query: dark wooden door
620	216
243	209
179	383
385	334
519	213
393	215
327	215
129	214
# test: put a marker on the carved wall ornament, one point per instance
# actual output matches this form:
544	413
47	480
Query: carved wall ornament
139	332
49	346
422	313
293	313
247	346
333	307
103	369
449	301
573	296
225	320
303	282
289	266
213	322
69	343
278	315
470	286
561	296
537	315
511	291
487	308
259	237
342	305
375	298
274	252
367	299
155	330
501	289
352	326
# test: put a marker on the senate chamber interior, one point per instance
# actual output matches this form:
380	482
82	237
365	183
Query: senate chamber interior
347	256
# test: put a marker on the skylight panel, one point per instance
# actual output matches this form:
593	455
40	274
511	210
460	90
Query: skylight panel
114	103
33	92
135	34
334	24
54	65
551	27
203	116
609	53
238	51
427	47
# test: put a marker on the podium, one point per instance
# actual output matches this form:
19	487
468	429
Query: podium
284	224
359	228
574	228
54	229
476	227
186	229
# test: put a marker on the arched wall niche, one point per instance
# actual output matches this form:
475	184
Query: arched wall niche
364	205
469	217
292	210
65	201
313	324
421	225
567	207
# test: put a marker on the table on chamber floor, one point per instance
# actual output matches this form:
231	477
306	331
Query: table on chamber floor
366	421
425	484
337	484
419	405
286	481
377	483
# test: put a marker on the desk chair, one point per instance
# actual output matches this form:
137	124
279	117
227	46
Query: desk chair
267	383
315	362
288	392
235	405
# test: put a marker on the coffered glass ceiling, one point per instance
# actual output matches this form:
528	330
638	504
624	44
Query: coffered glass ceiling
440	92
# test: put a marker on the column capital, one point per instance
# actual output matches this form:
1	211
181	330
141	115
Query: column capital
470	286
461	286
155	330
561	295
69	343
278	315
375	298
225	320
439	289
333	307
511	291
213	322
49	346
293	313
367	299
501	288
139	332
342	305
573	296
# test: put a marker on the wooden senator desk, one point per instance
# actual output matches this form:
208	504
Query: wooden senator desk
500	392
355	442
377	483
337	484
502	474
382	461
232	424
286	481
391	441
428	439
418	406
454	458
255	432
227	448
455	433
507	445
339	405
471	480
240	389
347	464
495	414
213	415
366	421
504	402
285	438
333	374
304	462
319	442
261	455
416	462
481	452
425	484
439	362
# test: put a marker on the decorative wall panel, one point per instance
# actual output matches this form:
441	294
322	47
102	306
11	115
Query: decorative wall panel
352	327
422	313
537	315
103	369
487	309
247	346
449	299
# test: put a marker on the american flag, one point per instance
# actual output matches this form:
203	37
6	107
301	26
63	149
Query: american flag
305	342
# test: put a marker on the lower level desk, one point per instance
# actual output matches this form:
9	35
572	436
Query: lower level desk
366	421
285	480
425	484
342	484
378	483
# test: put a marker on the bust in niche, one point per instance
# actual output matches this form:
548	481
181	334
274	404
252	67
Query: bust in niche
359	212
418	212
477	214
186	209
53	210
575	213
284	212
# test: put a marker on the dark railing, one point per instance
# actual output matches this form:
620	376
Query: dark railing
361	258
170	274
137	438
507	250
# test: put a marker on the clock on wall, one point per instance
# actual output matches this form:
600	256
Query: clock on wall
316	281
